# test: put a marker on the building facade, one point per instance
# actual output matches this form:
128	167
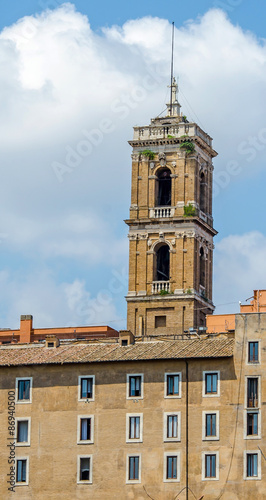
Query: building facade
129	419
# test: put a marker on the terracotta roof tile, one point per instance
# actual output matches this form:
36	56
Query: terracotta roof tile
98	353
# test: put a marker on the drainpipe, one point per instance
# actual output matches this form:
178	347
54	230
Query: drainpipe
186	429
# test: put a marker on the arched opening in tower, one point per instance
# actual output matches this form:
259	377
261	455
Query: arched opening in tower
163	188
202	268
203	189
162	263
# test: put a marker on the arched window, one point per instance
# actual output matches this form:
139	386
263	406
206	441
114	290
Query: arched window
203	189
163	187
162	263
202	268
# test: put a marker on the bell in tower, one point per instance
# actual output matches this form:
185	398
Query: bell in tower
170	225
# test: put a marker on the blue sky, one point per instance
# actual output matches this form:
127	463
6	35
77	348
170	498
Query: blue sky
63	245
249	17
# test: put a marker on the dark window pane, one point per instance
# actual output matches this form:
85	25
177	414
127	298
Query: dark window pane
252	424
172	426
210	465
85	429
135	386
21	471
133	468
252	465
23	390
84	469
134	428
210	424
172	385
163	261
171	472
252	395
86	388
211	382
164	188
253	352
22	431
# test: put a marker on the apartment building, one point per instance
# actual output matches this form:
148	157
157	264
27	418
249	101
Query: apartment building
132	419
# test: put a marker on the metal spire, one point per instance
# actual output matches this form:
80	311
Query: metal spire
172	69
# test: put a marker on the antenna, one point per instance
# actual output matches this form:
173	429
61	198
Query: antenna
172	69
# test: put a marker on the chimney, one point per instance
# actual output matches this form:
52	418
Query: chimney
25	328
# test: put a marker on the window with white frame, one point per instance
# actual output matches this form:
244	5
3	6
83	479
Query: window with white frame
252	426
172	385
85	429
134	427
210	425
253	352
133	474
23	389
84	469
22	471
172	466
252	465
86	388
22	431
211	384
172	426
210	466
135	386
252	392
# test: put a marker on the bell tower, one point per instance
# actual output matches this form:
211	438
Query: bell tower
170	225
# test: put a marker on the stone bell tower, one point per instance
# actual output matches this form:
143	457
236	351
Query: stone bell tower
170	226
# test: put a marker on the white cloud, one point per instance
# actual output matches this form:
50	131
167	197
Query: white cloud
58	79
240	268
53	304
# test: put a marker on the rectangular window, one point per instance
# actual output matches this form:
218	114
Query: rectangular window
160	321
172	426
135	385
252	424
172	385
211	383
252	392
86	388
210	466
85	429
22	471
210	424
134	468
22	431
23	389
171	468
134	427
253	352
85	469
252	465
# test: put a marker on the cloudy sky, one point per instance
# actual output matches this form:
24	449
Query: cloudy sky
74	79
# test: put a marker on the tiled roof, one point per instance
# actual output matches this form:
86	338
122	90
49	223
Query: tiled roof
98	353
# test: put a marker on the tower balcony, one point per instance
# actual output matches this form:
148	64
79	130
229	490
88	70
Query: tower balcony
160	286
161	212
